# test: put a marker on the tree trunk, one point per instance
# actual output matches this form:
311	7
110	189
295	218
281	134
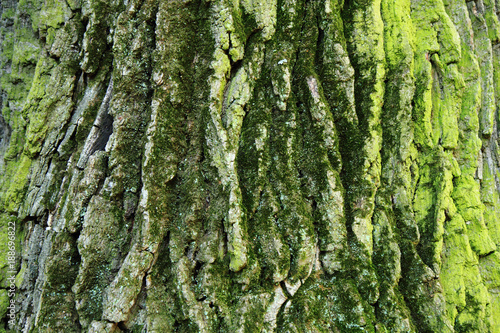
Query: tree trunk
250	166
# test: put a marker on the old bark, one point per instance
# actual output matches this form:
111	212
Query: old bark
251	166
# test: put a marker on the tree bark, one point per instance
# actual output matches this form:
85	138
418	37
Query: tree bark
250	166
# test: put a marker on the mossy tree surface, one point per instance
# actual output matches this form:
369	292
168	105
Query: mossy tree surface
251	166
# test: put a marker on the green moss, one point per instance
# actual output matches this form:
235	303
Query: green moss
19	52
37	125
25	51
53	14
57	308
20	275
394	218
127	283
4	302
483	51
8	13
95	46
368	57
457	255
467	198
491	201
257	150
429	40
17	185
32	8
6	264
491	276
7	46
333	303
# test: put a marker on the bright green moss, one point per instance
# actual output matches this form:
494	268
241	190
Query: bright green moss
428	66
37	125
398	33
491	276
368	58
457	254
440	106
17	185
4	302
25	51
22	270
53	14
394	219
467	198
19	51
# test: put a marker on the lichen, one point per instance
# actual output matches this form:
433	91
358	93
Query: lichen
262	166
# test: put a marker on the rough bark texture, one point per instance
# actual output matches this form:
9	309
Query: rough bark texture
251	166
